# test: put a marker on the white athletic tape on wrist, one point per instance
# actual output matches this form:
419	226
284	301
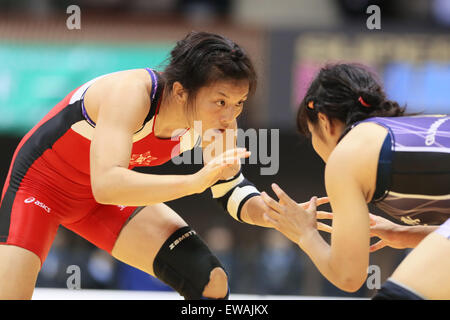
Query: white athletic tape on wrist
221	189
233	193
237	197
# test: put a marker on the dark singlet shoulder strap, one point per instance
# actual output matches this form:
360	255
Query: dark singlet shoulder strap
155	94
84	112
154	98
383	182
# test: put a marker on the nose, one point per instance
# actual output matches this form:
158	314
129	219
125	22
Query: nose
228	116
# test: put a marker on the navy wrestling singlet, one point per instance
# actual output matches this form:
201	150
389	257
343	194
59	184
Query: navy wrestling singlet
413	175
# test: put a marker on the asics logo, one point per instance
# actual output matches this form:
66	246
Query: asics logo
38	203
29	200
431	133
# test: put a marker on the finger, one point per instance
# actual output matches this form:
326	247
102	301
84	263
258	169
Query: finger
377	246
320	201
372	219
324	227
234	159
312	204
221	167
304	205
282	195
324	215
236	152
272	203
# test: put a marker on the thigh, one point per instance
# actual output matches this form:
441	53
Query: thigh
27	220
426	269
102	225
143	236
27	229
19	269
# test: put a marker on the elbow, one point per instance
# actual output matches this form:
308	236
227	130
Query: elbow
350	284
100	193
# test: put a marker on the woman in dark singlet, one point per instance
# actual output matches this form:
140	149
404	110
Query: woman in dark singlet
373	154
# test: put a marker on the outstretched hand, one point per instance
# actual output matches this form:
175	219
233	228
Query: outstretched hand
214	170
294	219
387	231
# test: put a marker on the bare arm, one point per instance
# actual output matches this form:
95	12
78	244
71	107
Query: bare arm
112	181
253	212
345	261
253	209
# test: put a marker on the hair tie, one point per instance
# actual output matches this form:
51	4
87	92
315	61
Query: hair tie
236	54
365	104
311	105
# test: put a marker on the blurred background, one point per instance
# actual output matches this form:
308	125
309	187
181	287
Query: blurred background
42	60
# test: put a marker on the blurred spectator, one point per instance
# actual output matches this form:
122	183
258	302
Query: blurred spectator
281	265
204	10
97	267
53	274
441	12
220	241
102	268
130	278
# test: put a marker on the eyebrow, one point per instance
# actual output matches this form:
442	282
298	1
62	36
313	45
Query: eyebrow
223	94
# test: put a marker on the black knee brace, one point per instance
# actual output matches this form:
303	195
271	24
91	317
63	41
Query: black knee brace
184	262
393	291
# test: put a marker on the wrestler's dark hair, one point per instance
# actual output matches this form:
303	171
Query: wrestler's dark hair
346	92
202	58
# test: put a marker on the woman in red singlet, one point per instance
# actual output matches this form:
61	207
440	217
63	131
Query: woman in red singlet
74	169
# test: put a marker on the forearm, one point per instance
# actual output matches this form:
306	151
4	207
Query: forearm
253	212
411	236
319	252
121	186
334	270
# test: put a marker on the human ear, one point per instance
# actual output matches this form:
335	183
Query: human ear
179	93
325	123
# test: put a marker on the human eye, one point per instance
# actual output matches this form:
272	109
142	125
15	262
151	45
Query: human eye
221	103
240	104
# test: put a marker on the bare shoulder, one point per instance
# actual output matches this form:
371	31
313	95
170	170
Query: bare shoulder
113	91
137	80
356	157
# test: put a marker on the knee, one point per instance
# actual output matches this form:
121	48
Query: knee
185	263
217	287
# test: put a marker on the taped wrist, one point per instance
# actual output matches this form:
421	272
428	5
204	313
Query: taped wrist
233	193
185	262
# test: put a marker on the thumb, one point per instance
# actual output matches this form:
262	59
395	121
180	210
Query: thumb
377	246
